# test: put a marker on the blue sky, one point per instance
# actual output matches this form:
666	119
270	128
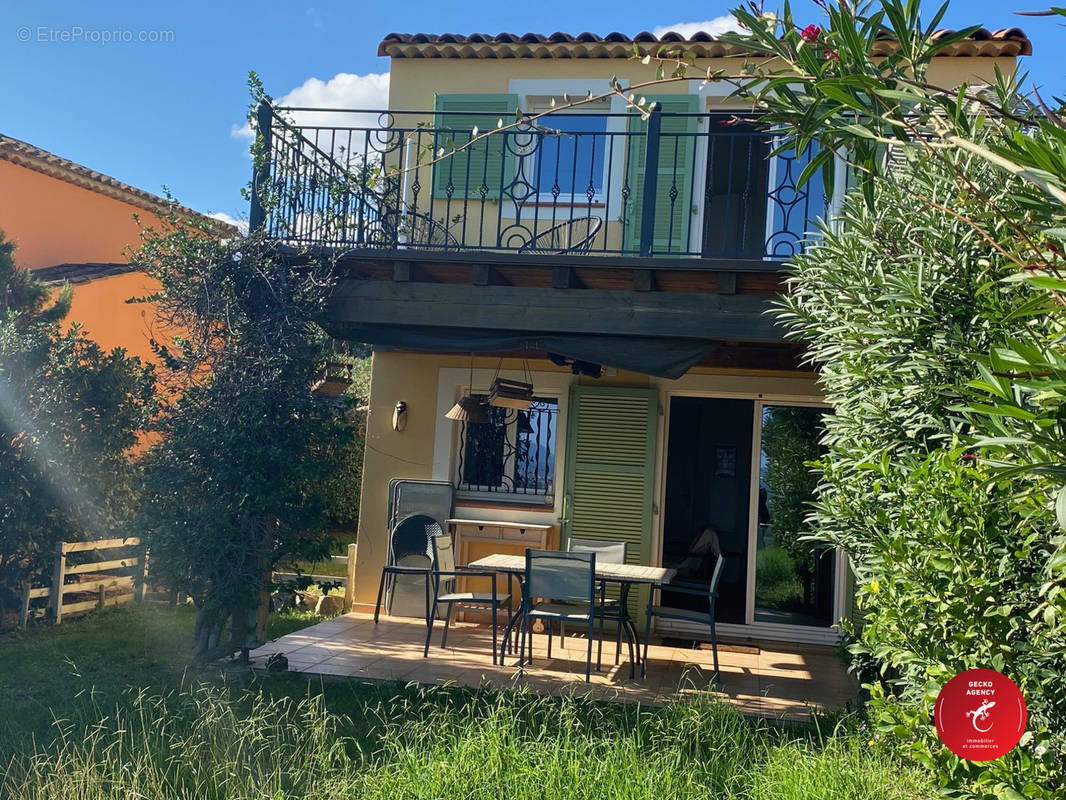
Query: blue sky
167	111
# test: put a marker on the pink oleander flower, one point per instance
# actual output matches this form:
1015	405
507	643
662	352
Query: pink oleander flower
811	33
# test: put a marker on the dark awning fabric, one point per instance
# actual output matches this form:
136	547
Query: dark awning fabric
662	357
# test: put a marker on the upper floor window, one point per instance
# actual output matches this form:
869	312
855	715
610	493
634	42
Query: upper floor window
513	453
572	154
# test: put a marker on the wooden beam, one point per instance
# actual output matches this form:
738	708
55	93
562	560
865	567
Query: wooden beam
402	271
644	280
727	283
103	566
481	274
589	311
99	544
564	278
585	261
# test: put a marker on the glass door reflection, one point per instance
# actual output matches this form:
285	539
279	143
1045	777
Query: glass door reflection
794	577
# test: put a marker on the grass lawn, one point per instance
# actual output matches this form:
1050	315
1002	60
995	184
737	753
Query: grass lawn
104	707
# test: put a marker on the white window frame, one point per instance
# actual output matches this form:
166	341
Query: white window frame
453	383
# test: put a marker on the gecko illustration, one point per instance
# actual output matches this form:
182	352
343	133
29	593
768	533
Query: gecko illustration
981	713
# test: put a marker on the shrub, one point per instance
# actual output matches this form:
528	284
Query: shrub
69	414
894	305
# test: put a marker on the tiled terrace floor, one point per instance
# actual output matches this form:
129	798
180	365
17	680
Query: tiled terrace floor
768	679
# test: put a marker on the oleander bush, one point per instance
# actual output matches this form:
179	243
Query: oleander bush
895	304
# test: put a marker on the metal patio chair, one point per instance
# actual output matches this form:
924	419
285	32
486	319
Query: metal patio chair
406	228
445	573
571	236
566	584
710	591
609	608
410	557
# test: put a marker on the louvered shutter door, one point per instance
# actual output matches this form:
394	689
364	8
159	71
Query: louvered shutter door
676	164
482	164
610	465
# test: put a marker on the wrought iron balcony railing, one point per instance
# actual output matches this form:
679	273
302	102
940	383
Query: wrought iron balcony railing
696	185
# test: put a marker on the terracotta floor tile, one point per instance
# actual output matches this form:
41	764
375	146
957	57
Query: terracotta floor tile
777	681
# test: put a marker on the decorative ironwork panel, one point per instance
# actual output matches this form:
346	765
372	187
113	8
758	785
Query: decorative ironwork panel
513	452
562	183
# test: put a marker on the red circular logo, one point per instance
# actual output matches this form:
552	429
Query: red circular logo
980	714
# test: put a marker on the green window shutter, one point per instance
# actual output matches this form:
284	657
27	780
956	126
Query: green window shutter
676	164
610	465
482	167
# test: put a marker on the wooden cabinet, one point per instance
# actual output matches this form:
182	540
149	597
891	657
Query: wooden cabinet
474	539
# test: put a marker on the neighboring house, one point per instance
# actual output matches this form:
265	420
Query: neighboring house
623	266
74	224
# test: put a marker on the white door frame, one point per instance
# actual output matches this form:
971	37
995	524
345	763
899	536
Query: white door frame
751	629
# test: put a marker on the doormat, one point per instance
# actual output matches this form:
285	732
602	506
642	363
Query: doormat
689	644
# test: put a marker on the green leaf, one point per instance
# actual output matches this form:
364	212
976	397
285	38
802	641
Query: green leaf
1060	508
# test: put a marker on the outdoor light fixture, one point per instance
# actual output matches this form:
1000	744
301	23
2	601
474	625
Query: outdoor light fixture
469	408
511	394
399	416
507	393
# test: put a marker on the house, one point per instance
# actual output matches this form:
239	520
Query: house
621	265
73	224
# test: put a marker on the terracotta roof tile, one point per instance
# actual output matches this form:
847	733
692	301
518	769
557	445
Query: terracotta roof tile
1007	42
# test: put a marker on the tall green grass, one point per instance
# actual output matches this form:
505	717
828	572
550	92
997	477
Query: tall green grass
214	741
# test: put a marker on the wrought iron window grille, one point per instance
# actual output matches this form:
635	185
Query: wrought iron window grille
513	454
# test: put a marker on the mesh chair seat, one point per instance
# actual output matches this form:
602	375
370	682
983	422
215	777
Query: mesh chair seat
569	581
607	608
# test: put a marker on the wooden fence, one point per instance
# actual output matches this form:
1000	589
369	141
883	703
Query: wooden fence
347	580
89	584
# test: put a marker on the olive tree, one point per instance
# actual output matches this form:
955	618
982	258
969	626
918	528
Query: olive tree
244	476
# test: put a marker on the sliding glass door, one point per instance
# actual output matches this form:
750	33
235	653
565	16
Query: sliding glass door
795	577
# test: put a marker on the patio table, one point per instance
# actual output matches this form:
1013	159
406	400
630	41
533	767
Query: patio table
625	575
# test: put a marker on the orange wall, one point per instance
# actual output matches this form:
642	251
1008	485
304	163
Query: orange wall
55	222
101	308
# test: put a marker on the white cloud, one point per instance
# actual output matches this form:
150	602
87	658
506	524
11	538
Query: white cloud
715	27
343	91
222	216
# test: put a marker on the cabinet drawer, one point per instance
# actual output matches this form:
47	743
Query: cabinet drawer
479	532
534	538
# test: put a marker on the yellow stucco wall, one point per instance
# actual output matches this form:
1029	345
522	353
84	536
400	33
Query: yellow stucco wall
416	379
414	83
412	378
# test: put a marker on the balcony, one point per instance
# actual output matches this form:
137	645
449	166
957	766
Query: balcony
679	189
600	238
